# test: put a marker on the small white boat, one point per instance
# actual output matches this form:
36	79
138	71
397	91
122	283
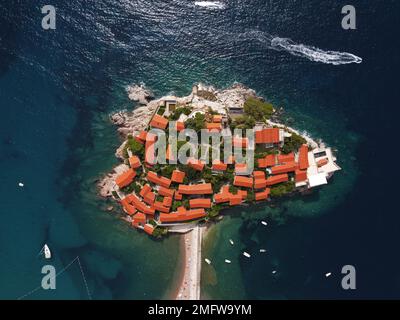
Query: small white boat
264	223
328	274
21	184
247	255
263	250
274	272
208	261
228	261
231	241
46	251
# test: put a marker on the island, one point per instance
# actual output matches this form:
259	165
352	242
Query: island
185	197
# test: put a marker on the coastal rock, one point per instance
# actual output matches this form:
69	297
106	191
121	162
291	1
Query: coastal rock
139	93
106	185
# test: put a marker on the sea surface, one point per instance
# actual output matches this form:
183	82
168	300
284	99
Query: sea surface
58	88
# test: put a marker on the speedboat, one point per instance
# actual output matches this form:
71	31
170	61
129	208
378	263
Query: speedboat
208	261
247	255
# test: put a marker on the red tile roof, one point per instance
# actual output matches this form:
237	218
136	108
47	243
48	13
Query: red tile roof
241	168
235	199
303	157
200	203
180	126
148	228
268	135
149	198
145	190
196	164
223	196
217	118
141	206
139	218
213	126
166	192
284	168
263	195
322	162
125	178
301	175
259	175
167	202
159	122
240	181
219	166
268	161
134	162
177	196
128	208
177	176
277	179
161	181
141	137
195	189
285	158
182	215
260	183
159	206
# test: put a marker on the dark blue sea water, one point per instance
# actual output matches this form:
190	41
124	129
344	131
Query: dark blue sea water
58	87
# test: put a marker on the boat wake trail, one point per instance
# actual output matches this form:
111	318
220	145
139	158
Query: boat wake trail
210	4
302	50
313	53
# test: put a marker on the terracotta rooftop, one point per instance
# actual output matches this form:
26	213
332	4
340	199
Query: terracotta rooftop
303	157
178	176
195	189
134	162
284	168
277	179
200	203
268	135
240	181
159	122
125	178
161	181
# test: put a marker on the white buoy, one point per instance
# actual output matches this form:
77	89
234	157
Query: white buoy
264	223
263	250
20	184
228	261
207	260
328	274
247	255
231	241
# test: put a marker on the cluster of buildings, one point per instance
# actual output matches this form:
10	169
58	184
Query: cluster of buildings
159	202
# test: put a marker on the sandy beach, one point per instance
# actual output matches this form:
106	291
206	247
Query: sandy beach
189	288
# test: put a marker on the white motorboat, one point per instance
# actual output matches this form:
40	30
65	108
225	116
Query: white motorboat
247	255
264	223
208	261
263	250
231	241
328	274
228	261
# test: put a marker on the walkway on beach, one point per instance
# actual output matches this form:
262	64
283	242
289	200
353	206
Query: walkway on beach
190	286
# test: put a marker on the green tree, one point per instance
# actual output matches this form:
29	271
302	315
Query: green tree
258	109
